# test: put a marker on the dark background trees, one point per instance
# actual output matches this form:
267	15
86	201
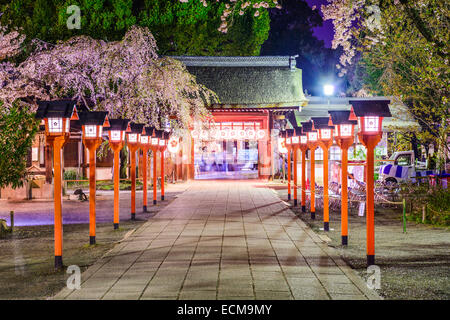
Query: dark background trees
291	33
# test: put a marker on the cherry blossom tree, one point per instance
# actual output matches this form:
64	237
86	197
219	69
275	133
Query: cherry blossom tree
403	48
126	78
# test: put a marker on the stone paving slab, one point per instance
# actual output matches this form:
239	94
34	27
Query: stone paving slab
222	240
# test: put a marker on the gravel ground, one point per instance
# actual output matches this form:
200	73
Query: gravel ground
414	265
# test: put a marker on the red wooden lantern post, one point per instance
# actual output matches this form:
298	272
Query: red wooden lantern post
155	147
92	129
343	135
57	115
162	148
325	142
289	148
312	144
295	145
133	137
303	148
145	146
116	135
370	117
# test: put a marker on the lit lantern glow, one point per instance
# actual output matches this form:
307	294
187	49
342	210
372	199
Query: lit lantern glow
241	134
325	134
251	134
173	145
117	135
55	125
303	139
90	131
312	136
224	134
132	137
345	130
233	135
282	145
371	124
144	139
261	134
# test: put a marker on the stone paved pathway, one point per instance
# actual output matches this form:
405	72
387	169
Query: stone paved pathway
222	240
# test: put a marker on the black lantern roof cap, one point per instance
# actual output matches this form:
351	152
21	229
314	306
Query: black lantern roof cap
289	133
136	127
55	109
341	117
93	118
306	127
321	123
149	131
159	133
371	108
117	124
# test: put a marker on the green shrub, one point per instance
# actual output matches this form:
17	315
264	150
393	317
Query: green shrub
70	175
437	203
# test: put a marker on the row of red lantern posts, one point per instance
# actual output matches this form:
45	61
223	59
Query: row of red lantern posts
319	132
57	116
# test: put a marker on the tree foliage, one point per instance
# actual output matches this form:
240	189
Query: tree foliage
180	28
17	130
126	78
404	50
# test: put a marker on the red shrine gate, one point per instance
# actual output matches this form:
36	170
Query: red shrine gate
235	146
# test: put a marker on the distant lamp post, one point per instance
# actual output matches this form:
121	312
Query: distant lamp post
133	140
370	115
145	144
344	133
328	89
92	124
163	142
323	125
116	134
57	115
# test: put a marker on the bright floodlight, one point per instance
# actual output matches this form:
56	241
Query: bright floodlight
328	89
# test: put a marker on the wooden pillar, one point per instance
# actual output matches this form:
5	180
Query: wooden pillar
116	148
144	178
154	175
325	145
344	196
133	148
313	181
304	179
370	142
57	151
162	175
289	172
92	189
295	151
92	145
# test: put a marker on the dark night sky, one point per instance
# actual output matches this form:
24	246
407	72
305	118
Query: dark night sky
325	32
